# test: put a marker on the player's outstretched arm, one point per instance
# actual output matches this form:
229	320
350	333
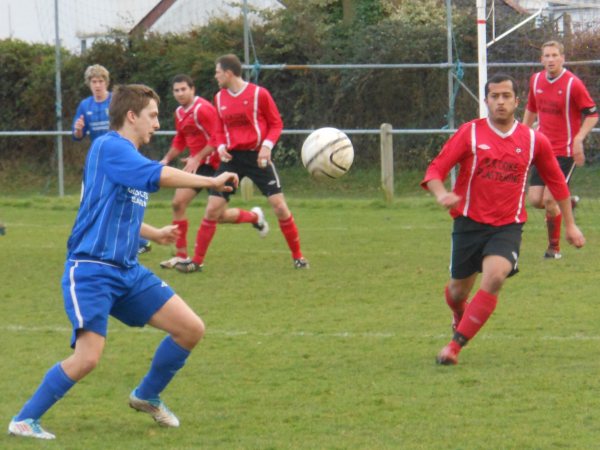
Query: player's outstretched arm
193	162
171	177
573	234
164	236
170	156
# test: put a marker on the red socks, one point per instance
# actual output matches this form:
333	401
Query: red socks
553	225
246	217
476	314
290	232
203	239
181	242
457	307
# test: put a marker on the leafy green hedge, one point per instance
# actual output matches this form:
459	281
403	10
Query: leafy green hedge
307	32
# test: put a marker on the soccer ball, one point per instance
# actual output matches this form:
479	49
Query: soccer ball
327	153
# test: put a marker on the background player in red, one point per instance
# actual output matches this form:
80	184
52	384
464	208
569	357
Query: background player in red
250	126
559	101
488	205
195	124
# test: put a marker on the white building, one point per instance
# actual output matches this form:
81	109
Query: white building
581	14
84	20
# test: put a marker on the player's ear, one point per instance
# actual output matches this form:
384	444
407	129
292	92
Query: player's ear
131	116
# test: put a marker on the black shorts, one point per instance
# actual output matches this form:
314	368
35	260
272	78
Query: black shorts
245	164
567	165
205	170
472	241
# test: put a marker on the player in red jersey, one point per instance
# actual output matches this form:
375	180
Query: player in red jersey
196	122
250	126
488	205
559	101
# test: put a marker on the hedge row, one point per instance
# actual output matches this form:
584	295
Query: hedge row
306	32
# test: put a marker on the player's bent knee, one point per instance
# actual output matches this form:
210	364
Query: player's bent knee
458	293
85	363
494	282
190	334
281	210
178	207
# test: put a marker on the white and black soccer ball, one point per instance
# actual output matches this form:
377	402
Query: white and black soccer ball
327	153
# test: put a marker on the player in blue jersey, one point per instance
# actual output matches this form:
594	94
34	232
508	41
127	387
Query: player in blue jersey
102	276
91	117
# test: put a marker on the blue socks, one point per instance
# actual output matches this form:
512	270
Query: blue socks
54	386
168	359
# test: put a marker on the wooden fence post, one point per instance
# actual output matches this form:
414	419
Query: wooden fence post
247	188
387	161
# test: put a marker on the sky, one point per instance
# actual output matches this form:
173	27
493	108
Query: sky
33	20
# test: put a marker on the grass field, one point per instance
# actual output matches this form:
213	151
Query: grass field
337	357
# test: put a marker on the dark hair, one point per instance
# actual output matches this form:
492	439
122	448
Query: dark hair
230	62
499	78
183	78
129	97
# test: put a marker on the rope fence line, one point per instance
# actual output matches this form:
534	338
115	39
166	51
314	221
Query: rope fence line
385	137
443	65
285	132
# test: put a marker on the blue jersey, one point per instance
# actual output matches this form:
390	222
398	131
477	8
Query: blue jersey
116	183
95	117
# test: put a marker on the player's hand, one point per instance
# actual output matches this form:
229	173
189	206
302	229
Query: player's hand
191	164
224	154
164	162
264	157
574	236
226	182
80	123
78	127
448	200
578	153
167	235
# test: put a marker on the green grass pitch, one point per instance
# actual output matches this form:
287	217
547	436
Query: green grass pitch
337	357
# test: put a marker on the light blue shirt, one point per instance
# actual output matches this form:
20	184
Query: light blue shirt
116	182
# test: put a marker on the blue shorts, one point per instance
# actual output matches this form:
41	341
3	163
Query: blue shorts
93	290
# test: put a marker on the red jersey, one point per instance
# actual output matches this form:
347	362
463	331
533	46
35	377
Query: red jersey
493	170
559	104
249	118
195	129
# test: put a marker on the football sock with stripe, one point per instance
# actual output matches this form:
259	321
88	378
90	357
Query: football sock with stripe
181	242
204	237
476	314
53	387
168	359
290	232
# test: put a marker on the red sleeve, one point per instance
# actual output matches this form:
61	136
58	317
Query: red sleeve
583	99
271	114
547	166
453	152
178	142
531	104
219	135
209	119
